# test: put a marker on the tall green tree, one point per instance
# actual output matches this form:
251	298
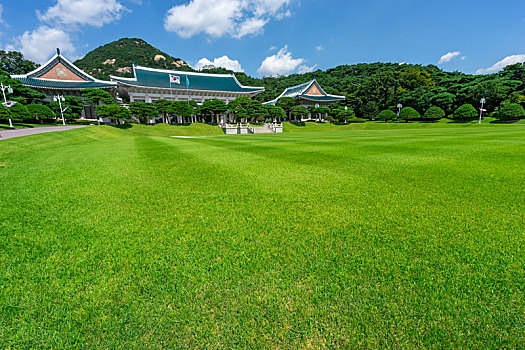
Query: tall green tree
143	111
286	103
299	111
15	63
114	112
276	113
214	107
96	96
165	108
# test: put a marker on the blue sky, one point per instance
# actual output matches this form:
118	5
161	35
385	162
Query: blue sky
269	37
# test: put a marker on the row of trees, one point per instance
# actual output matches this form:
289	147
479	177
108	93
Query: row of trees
213	110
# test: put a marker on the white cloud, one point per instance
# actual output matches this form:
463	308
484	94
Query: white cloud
40	44
91	12
273	48
224	62
279	64
449	57
305	69
502	64
319	48
218	18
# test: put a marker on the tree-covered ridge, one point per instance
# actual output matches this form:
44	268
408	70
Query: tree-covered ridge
116	58
370	88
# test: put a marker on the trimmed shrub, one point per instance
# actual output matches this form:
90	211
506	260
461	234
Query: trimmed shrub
356	120
511	111
409	113
465	112
386	115
40	112
19	111
434	113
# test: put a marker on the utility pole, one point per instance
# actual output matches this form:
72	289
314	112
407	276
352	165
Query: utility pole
9	91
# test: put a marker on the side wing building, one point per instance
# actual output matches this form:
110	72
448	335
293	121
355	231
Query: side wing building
308	94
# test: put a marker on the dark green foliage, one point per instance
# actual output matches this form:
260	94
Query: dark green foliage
444	100
5	114
244	108
299	111
386	115
275	113
96	96
434	113
113	111
21	93
287	104
40	112
370	110
409	113
343	115
74	106
465	112
14	62
19	111
126	51
143	111
213	107
511	111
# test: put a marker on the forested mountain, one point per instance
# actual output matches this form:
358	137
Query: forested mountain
370	88
116	58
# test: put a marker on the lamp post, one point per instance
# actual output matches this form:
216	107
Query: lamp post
399	106
483	101
60	99
9	91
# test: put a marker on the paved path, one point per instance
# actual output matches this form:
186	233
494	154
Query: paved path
12	133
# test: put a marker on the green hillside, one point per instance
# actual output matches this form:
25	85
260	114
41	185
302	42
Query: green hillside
116	58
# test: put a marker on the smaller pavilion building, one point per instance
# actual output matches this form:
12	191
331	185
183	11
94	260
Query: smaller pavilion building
151	84
308	94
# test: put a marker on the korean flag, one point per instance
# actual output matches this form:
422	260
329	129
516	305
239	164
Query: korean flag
174	79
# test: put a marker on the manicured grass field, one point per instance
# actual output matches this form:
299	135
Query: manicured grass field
404	238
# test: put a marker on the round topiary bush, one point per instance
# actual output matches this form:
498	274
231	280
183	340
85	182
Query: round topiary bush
386	115
19	111
409	113
511	111
434	113
465	112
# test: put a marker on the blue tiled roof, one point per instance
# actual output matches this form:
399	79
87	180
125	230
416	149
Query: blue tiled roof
299	91
158	78
63	84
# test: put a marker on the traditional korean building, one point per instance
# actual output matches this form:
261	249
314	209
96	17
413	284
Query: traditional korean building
308	94
151	84
61	77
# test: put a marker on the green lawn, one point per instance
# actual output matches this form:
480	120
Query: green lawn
394	238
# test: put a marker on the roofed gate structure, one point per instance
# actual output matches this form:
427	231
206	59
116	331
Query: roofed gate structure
150	84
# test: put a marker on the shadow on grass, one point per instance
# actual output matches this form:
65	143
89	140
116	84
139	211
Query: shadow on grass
123	126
